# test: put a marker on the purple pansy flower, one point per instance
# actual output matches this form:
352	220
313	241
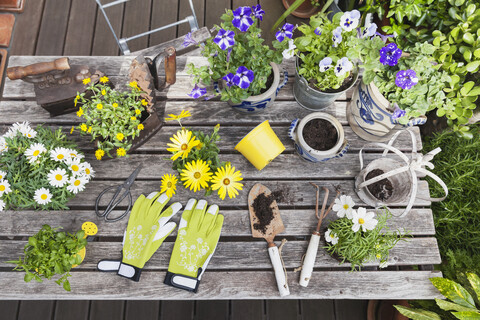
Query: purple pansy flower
229	79
343	65
258	12
370	30
390	54
197	92
337	36
242	18
349	20
243	78
318	31
406	79
225	38
397	113
188	40
325	64
285	31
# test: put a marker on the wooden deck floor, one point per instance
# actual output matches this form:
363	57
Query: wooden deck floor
76	27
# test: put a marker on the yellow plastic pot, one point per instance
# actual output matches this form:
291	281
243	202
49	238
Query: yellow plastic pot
260	146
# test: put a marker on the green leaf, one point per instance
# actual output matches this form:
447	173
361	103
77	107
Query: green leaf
450	306
467	87
417	314
474	279
473	66
453	291
467	315
474	92
66	285
468	38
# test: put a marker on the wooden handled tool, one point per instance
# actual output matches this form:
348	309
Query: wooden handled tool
272	229
15	73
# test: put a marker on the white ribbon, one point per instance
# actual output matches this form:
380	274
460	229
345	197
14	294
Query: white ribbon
416	165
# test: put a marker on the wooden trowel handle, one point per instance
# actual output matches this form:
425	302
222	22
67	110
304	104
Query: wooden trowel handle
60	64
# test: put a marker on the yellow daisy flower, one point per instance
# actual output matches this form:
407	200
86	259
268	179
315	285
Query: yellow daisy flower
226	181
121	152
99	154
71	130
134	84
183	142
80	112
86	81
104	92
76	100
144	102
115	105
138	112
183	114
104	79
133	118
89	129
99	106
83	127
120	136
196	175
169	184
141	127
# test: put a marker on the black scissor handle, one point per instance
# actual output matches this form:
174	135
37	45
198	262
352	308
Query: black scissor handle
113	203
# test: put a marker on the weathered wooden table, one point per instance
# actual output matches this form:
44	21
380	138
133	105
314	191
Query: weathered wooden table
240	268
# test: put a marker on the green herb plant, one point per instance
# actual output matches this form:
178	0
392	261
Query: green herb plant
51	252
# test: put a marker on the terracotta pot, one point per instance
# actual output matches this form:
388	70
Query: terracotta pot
385	310
305	10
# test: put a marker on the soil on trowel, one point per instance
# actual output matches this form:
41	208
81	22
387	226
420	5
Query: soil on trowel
382	189
320	134
262	206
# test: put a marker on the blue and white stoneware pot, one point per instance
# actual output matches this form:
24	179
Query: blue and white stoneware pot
295	132
370	117
259	103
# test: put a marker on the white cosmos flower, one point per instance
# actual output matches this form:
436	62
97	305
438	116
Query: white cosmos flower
4	187
344	206
76	184
74	166
59	154
57	177
34	152
364	219
331	237
290	51
3	174
2	205
3	145
42	196
87	170
74	154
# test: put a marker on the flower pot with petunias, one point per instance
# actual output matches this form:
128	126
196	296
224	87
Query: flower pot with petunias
397	88
242	69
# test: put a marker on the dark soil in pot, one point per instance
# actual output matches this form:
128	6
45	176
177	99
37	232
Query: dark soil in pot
320	134
268	84
383	189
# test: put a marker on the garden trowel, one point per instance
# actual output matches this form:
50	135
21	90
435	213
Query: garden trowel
268	233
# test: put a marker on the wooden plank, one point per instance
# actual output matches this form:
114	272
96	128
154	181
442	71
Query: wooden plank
104	309
282	310
104	43
247	310
225	285
9	309
162	16
246	255
33	309
208	309
298	222
145	310
351	309
273	11
26	29
214	10
178	310
136	20
81	28
185	11
72	309
51	37
312	309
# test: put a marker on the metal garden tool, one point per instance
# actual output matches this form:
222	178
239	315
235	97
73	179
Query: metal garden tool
310	256
274	227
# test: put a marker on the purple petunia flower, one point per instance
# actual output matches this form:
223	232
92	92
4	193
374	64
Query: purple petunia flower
244	77
370	30
406	79
397	113
337	36
258	12
349	20
318	31
197	92
225	38
325	64
384	37
343	65
188	40
229	79
285	31
390	54
242	18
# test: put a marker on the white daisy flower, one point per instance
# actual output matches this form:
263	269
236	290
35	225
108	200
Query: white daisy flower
42	196
4	187
331	237
28	132
2	205
34	152
3	174
76	184
74	166
344	206
364	219
384	264
57	177
59	154
74	154
87	170
3	145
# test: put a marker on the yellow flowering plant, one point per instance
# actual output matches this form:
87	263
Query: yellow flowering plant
112	118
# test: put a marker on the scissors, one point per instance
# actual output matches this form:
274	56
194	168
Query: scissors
114	202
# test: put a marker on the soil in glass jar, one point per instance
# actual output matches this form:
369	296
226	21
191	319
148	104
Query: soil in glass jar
320	134
383	189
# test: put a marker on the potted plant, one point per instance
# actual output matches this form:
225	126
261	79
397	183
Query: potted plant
40	168
51	252
117	121
358	236
318	137
323	70
246	69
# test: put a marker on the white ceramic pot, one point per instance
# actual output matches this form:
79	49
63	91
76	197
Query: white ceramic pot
295	132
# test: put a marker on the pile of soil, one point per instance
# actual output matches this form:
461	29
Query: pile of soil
283	196
262	206
320	134
382	189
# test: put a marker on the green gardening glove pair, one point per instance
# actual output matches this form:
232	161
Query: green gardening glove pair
198	234
147	228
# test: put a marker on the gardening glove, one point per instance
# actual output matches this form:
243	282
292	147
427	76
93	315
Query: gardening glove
147	227
198	234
